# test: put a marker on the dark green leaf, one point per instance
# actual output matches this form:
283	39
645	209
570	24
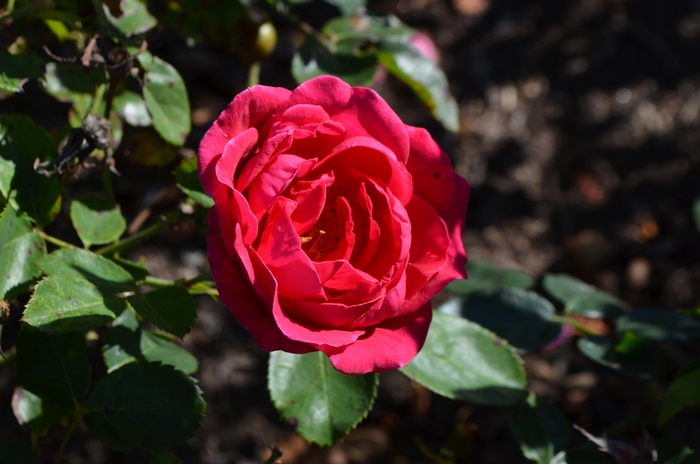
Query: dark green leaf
54	367
135	18
326	403
530	433
671	452
22	142
127	343
131	106
66	302
657	324
171	309
628	354
36	413
15	70
462	360
96	220
20	247
137	271
388	29
314	59
682	392
166	100
103	273
425	78
188	180
348	7
581	298
484	275
144	408
7	172
582	455
14	452
521	317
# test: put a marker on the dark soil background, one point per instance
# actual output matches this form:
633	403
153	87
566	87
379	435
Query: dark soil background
580	135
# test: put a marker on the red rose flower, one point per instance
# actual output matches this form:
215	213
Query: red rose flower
334	223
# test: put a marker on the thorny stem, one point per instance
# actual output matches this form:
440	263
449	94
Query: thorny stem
140	236
69	432
54	240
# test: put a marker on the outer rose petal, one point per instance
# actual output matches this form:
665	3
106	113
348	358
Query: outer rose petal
389	345
242	301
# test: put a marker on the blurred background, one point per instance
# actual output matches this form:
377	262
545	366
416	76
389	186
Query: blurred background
580	135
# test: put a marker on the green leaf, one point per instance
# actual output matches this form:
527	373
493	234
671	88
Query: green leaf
135	18
581	298
315	59
96	220
540	429
523	318
36	413
73	84
131	106
54	367
15	70
22	142
628	354
137	271
127	343
171	309
696	213
66	302
14	452
166	100
20	247
7	172
144	408
671	452
348	7
326	403
425	78
188	180
462	360
660	325
682	392
484	275
346	33
103	273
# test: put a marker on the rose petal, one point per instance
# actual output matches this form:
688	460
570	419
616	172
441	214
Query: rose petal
390	345
272	181
276	144
326	315
360	110
241	300
280	250
431	170
310	197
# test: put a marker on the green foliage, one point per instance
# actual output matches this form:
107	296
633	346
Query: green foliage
127	343
53	367
166	99
581	298
523	318
171	309
326	403
682	392
660	325
37	413
483	275
22	142
20	247
15	70
96	220
626	353
135	18
132	107
540	429
144	407
465	361
187	179
101	272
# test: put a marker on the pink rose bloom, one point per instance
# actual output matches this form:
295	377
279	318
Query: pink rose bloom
334	223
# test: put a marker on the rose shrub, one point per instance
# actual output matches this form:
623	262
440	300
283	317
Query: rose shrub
334	223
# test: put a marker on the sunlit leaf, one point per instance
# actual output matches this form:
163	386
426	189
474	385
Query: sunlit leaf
135	18
484	275
20	247
628	354
462	360
37	413
132	107
581	298
315	59
326	403
96	220
171	309
188	180
15	70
